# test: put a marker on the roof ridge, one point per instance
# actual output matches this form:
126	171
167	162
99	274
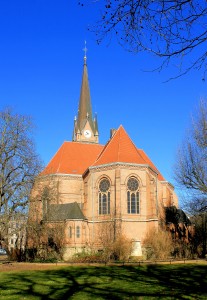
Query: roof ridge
151	164
133	144
102	151
51	159
61	155
106	146
118	149
118	131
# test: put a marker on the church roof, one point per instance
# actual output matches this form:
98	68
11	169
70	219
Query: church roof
150	163
73	158
120	148
66	211
76	157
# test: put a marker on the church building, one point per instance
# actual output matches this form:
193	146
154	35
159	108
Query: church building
92	184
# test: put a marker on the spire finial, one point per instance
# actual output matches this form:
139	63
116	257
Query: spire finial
85	50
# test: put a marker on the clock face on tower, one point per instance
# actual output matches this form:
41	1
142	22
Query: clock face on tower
87	133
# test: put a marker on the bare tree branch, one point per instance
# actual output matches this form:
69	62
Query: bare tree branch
165	28
19	163
191	165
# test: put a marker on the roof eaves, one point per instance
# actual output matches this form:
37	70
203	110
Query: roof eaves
60	174
121	163
76	219
167	182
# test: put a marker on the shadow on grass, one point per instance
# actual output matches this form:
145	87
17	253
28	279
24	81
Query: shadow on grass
114	282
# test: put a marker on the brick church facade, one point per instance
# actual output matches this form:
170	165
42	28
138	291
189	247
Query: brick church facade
93	184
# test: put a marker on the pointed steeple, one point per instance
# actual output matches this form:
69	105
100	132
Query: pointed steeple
84	110
95	121
85	128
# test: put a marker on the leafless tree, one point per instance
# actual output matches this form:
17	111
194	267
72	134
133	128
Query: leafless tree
191	174
45	237
114	243
191	163
158	244
19	164
46	240
167	29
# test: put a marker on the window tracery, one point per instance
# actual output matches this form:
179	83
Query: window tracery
104	197
133	206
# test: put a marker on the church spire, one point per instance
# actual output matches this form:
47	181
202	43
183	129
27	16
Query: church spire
85	127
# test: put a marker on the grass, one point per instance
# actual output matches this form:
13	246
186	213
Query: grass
187	281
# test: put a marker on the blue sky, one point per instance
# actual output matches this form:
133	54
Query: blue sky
41	63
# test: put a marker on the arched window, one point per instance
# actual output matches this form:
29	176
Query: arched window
132	196
77	231
45	200
104	197
70	232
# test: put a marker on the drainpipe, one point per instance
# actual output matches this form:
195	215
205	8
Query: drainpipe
92	210
156	195
114	216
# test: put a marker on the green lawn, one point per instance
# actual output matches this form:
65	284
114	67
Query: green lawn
185	281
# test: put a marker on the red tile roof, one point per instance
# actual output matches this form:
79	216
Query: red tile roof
73	158
150	163
120	149
76	158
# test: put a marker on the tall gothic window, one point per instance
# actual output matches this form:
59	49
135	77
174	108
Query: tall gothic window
77	231
70	232
104	197
133	196
45	200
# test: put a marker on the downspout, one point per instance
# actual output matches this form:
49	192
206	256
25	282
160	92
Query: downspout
156	196
115	194
92	210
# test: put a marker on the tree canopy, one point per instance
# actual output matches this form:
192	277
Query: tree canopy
168	29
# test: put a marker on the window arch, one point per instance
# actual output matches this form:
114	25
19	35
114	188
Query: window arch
77	231
133	196
104	197
70	232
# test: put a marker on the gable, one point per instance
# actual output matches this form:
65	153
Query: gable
121	149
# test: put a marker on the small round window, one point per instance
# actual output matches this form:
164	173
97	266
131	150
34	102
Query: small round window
132	184
104	185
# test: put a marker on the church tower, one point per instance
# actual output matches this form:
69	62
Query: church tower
85	127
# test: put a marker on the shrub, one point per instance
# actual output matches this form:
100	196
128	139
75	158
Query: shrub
121	248
88	257
158	244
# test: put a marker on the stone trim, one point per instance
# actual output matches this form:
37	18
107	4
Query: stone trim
123	220
167	183
61	176
111	166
